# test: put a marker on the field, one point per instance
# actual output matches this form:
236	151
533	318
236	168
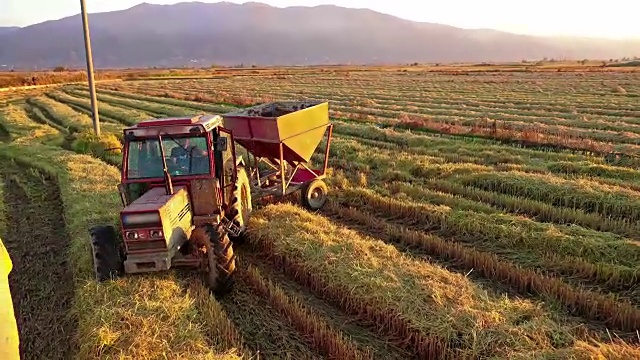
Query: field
472	215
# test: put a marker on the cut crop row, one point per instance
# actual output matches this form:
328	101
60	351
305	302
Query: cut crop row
496	231
458	114
384	91
381	167
609	201
126	117
530	135
566	164
589	305
433	312
321	336
537	210
376	106
561	166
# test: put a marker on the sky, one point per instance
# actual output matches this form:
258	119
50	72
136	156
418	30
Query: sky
611	19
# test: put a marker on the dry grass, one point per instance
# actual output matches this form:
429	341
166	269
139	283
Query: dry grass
320	335
425	308
433	301
24	131
134	317
590	305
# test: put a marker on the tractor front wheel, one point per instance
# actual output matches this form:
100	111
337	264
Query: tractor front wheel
314	195
240	203
221	263
107	255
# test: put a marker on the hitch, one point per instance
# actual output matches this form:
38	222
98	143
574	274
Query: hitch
230	227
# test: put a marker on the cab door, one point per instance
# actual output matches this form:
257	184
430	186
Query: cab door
225	160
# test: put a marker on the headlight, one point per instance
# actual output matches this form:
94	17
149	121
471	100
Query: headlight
138	219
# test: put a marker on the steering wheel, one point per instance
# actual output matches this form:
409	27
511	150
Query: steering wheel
176	168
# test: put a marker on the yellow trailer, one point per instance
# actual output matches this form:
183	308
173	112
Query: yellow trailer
9	342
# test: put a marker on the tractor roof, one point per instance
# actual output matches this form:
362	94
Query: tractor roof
175	124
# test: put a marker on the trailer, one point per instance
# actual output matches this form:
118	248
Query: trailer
186	196
280	139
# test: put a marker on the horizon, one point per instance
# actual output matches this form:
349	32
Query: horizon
547	18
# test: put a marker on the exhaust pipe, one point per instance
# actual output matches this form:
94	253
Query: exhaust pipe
168	184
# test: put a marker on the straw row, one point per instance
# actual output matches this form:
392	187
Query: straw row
568	260
517	131
590	305
617	204
220	330
505	230
388	320
542	211
329	341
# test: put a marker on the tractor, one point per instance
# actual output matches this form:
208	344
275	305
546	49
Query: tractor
187	195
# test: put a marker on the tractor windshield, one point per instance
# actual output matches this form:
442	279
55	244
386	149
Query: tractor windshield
185	155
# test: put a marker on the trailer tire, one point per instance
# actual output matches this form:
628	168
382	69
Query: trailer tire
221	264
107	253
314	195
240	206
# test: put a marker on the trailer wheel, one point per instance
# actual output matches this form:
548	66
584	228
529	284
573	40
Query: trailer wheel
240	204
221	262
107	253
314	195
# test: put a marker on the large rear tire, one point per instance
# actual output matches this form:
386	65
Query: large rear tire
240	206
108	262
221	264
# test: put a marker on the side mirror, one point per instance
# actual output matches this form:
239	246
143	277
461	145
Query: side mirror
221	144
129	136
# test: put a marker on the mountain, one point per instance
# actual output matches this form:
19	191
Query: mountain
7	29
253	33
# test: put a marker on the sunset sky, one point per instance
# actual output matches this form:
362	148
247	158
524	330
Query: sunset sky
610	19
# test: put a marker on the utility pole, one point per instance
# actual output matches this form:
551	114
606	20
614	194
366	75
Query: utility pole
92	85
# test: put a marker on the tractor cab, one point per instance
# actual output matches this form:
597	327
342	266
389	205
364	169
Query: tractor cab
180	192
188	148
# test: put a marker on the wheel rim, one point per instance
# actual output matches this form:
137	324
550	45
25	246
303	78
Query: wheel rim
316	197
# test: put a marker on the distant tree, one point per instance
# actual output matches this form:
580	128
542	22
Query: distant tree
59	69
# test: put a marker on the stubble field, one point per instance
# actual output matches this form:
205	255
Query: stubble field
472	215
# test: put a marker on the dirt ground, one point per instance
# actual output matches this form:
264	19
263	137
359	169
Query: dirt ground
41	281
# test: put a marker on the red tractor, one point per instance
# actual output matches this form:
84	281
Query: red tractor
187	194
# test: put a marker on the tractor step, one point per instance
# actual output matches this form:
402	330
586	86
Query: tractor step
230	227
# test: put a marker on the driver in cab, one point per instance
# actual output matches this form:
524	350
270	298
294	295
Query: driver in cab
187	156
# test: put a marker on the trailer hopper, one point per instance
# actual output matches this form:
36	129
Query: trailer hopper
285	136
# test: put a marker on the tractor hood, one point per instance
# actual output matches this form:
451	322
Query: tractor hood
152	207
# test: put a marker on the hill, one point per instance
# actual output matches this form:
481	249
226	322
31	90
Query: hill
255	33
7	29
